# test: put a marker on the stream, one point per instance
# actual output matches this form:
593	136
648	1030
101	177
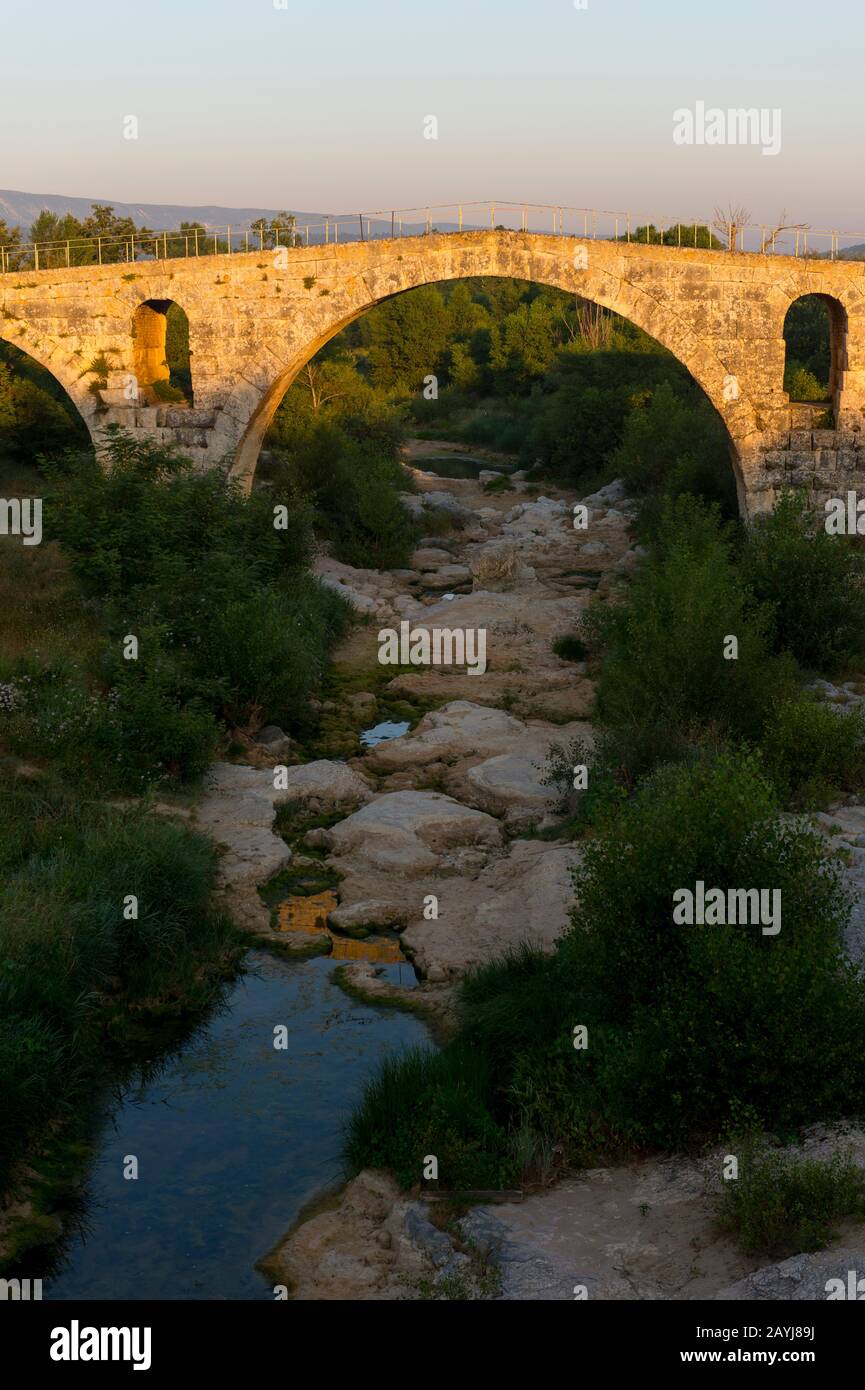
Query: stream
233	1137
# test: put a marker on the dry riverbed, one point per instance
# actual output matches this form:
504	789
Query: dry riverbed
427	845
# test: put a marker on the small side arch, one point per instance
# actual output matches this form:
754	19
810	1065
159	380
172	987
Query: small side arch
815	337
160	352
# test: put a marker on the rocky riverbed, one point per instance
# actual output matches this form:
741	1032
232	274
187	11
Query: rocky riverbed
434	836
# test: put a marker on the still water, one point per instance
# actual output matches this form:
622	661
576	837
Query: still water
232	1137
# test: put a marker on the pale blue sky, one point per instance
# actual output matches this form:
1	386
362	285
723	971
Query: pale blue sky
320	105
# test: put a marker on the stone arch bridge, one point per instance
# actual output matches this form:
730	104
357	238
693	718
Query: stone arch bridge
256	318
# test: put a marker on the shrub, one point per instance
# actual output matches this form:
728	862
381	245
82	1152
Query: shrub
802	385
164	391
689	1023
689	1027
500	484
430	1103
229	624
665	683
270	648
810	582
780	1206
814	751
570	648
673	444
351	474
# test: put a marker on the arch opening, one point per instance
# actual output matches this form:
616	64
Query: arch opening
709	370
161	356
517	367
37	413
815	339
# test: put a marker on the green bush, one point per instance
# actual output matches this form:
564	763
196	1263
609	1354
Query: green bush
689	1027
230	627
802	385
270	648
811	582
665	683
673	443
500	484
690	1024
570	648
780	1206
430	1103
164	391
350	472
814	751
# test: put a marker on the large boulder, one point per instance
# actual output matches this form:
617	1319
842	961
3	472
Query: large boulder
409	832
456	730
324	786
511	785
526	896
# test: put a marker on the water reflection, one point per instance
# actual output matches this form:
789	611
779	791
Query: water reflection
232	1137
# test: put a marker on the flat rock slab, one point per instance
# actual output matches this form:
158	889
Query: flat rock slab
459	728
524	896
805	1278
408	831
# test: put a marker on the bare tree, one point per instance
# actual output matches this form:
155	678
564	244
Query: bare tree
731	223
771	233
321	390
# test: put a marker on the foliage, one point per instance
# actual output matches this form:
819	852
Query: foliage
689	1027
71	957
780	1206
736	1018
426	1102
814	751
811	582
349	470
808	339
229	625
665	683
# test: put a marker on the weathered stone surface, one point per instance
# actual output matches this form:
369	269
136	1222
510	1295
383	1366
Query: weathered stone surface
359	1250
722	315
802	1278
511	785
453	731
524	896
324	786
408	831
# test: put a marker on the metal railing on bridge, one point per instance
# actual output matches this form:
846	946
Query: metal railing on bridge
442	219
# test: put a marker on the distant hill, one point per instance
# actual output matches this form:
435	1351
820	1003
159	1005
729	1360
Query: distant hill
22	209
853	253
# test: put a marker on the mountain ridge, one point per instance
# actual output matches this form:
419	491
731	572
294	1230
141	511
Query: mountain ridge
21	209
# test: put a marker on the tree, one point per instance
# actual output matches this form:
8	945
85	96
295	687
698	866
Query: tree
731	224
10	242
280	231
408	338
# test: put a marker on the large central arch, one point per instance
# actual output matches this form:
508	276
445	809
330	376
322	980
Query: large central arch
643	304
